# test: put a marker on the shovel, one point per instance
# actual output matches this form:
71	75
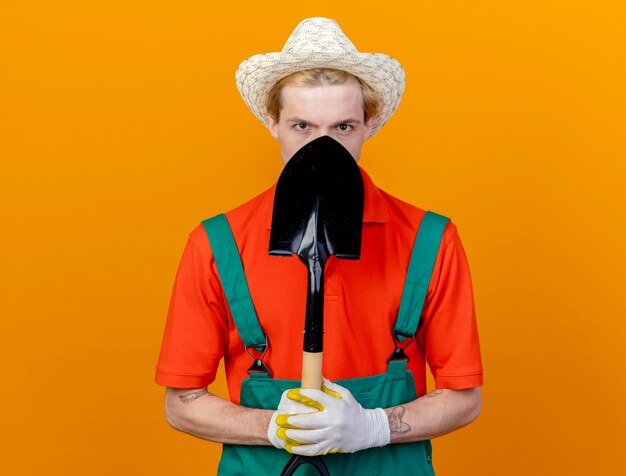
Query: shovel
318	212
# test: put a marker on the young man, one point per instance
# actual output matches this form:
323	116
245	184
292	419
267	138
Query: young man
321	85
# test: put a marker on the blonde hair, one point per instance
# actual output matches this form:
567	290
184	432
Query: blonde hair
372	100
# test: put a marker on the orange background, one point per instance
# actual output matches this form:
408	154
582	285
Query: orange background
121	128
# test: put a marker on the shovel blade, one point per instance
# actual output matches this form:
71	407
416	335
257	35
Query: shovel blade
320	184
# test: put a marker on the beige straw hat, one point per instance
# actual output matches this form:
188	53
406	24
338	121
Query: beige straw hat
320	43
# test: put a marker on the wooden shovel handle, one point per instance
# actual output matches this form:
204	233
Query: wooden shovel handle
312	370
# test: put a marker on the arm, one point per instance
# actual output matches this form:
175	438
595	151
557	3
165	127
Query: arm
434	414
204	415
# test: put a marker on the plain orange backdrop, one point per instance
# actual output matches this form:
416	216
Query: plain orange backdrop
121	128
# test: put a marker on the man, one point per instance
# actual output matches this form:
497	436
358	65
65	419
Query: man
321	85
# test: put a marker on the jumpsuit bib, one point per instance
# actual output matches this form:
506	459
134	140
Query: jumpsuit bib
394	387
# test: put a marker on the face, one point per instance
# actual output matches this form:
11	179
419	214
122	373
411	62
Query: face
311	112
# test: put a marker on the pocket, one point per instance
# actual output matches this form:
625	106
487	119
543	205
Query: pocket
368	399
264	393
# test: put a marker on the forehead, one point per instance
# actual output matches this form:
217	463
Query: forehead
324	100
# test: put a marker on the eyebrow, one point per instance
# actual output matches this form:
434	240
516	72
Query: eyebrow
299	119
350	120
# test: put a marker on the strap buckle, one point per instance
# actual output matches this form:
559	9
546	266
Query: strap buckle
398	353
258	365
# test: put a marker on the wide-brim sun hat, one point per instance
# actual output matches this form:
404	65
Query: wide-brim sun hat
320	43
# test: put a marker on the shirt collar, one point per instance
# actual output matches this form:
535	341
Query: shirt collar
375	207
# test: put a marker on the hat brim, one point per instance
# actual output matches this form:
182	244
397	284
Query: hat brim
257	75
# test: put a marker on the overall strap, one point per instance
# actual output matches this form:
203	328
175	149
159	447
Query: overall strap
233	279
418	275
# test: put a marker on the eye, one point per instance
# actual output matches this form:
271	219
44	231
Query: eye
345	127
302	126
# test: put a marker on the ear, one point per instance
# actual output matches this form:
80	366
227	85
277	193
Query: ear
272	125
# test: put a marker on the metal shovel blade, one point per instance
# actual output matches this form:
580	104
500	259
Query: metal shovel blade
319	196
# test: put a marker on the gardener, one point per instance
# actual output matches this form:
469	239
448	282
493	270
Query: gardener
320	85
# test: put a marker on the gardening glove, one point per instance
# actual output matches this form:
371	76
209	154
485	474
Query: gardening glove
286	408
338	424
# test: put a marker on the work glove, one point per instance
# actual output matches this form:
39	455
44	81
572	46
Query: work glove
337	424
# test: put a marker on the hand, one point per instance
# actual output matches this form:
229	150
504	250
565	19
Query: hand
334	423
287	407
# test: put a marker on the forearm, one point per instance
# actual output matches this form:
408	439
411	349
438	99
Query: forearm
435	414
207	416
